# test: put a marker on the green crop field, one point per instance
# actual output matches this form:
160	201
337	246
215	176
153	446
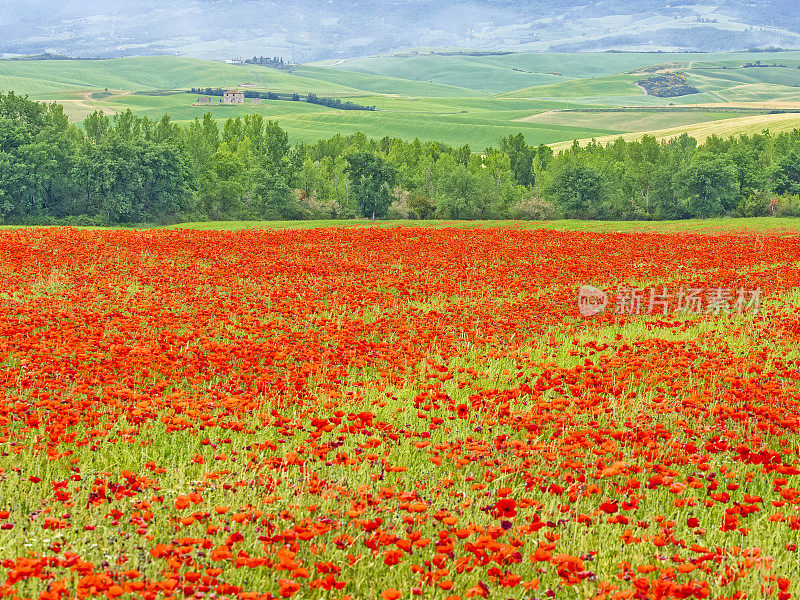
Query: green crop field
381	84
456	99
595	87
510	72
465	71
155	73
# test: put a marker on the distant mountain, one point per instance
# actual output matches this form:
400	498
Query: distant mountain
306	30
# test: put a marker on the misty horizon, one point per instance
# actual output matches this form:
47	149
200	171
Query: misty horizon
221	29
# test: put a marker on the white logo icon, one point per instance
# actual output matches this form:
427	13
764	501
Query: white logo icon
591	300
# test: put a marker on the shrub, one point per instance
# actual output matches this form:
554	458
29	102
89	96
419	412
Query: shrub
311	207
534	209
786	205
667	85
755	205
398	209
420	206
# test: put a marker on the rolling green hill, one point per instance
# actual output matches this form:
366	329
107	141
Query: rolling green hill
381	84
477	73
509	72
594	87
455	99
151	73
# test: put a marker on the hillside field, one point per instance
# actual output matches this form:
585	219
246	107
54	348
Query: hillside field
455	99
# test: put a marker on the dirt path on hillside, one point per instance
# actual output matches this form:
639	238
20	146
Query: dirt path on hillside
88	96
80	107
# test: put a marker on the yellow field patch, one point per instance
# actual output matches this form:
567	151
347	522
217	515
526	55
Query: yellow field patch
701	131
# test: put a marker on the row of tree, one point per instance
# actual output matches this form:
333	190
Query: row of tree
276	62
337	103
311	97
131	169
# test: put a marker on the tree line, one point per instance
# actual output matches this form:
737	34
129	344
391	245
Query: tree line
311	98
276	62
133	169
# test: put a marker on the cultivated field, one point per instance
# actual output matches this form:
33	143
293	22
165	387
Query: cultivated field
395	412
454	99
749	125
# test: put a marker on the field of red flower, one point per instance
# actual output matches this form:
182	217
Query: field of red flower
394	413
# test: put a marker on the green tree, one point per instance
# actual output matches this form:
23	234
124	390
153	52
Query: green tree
786	174
371	178
228	173
460	194
420	206
273	198
578	189
276	143
710	186
463	154
520	157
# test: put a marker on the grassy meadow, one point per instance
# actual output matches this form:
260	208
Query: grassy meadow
456	99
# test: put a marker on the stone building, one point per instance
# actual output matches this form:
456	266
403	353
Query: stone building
233	97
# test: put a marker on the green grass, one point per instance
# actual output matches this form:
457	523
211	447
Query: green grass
39	88
479	122
716	226
497	73
715	86
756	224
768	75
155	73
472	72
611	85
479	132
181	107
381	84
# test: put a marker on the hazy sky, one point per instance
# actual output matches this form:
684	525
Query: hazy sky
312	29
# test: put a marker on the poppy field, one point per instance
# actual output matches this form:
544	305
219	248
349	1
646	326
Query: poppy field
385	413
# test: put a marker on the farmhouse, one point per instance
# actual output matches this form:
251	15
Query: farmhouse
204	100
233	97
